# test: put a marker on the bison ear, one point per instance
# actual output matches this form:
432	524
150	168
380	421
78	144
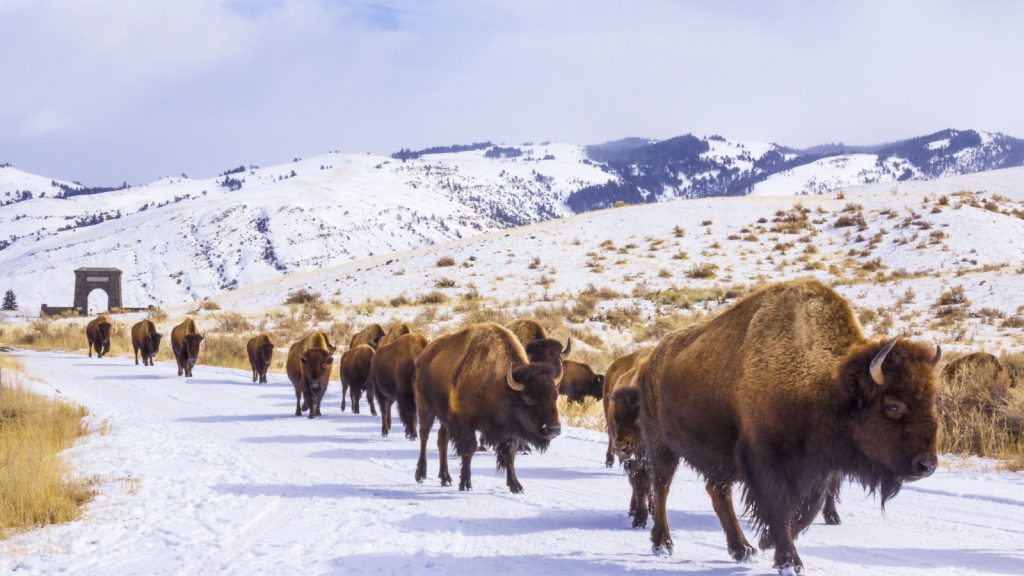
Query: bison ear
201	337
511	382
329	360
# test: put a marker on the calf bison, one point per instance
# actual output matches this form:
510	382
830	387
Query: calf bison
309	365
393	374
145	339
393	334
261	351
97	332
370	336
185	341
782	392
623	420
480	379
355	376
619	367
579	381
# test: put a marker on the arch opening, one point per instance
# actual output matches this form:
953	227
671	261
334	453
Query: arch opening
99	301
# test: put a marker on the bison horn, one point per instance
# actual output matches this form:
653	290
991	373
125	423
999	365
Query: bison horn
510	381
568	348
876	363
938	356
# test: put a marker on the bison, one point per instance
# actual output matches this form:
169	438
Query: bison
579	381
394	333
392	372
145	339
618	368
260	350
480	379
309	365
623	420
355	376
986	370
185	340
782	392
370	336
97	332
526	330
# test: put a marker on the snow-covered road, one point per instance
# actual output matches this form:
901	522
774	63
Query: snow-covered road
213	475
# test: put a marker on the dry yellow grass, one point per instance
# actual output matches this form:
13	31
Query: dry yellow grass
980	418
35	486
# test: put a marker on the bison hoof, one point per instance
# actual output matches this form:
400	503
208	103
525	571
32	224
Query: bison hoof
410	436
832	518
465	485
664	549
743	553
640	521
515	488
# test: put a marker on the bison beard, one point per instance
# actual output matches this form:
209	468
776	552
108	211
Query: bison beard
782	393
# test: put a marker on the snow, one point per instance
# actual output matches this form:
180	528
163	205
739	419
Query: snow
822	176
214	475
939	144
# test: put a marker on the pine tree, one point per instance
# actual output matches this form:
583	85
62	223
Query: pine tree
10	301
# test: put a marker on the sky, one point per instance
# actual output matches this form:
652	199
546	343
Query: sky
105	91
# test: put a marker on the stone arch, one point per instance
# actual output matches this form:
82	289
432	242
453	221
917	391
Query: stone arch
106	279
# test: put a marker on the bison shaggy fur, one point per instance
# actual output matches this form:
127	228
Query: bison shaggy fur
145	339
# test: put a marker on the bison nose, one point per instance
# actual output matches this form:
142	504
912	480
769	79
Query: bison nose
925	464
550	431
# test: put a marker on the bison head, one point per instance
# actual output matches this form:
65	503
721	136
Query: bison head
154	341
626	421
317	365
191	348
549	351
535	397
891	394
104	333
268	352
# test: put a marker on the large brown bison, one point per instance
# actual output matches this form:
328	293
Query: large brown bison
479	379
394	333
781	392
579	381
145	339
393	374
97	332
261	351
619	367
355	376
370	336
185	340
309	365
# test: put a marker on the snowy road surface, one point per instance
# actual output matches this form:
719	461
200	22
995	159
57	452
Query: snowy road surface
214	475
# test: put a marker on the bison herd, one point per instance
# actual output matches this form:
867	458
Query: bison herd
781	393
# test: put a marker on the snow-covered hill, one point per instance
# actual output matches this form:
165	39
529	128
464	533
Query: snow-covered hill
180	239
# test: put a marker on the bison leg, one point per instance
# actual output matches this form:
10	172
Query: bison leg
426	422
481	447
298	402
506	456
442	453
344	394
830	513
466	471
177	359
609	455
255	373
90	349
370	399
721	500
385	415
407	412
663	466
640	482
137	355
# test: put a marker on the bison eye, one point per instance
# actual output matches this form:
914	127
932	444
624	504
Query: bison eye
528	401
894	409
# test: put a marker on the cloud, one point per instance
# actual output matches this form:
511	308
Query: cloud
109	90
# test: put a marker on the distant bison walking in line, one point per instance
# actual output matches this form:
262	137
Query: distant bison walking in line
393	375
782	392
355	376
480	379
309	365
97	332
185	340
261	351
394	333
370	336
145	339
